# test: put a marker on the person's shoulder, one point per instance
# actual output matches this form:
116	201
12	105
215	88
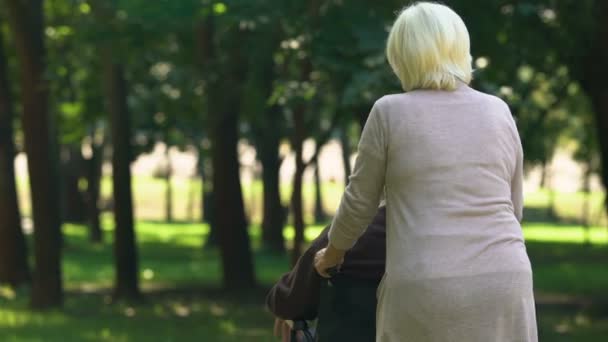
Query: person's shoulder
499	108
391	99
493	101
386	102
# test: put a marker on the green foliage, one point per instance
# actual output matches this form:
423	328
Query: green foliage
526	52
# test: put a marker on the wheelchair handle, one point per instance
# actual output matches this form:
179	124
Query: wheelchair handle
333	271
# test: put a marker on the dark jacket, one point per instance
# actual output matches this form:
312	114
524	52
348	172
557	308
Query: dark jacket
296	295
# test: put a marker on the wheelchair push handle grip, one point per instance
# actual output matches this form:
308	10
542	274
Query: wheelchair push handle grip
333	271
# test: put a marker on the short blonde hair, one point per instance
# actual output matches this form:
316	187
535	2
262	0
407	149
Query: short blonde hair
429	48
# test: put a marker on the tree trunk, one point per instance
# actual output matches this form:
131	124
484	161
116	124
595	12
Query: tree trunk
594	82
190	210
586	205
26	21
346	153
320	215
208	205
191	198
543	174
93	175
600	102
168	187
125	246
273	220
73	201
207	212
229	210
297	204
14	268
551	213
546	183
228	198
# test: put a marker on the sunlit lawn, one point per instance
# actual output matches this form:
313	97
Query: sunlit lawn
171	258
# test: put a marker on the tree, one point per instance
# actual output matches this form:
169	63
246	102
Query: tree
267	128
594	75
168	184
14	268
125	246
26	20
274	213
115	88
93	167
223	59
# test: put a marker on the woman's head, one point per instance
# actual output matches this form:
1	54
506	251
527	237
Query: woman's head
429	48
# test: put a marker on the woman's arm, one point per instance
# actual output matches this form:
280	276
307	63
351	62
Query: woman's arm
517	192
362	195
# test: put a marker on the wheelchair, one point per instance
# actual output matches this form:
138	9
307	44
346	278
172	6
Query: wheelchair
347	312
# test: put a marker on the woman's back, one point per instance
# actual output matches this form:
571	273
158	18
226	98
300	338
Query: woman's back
456	260
451	158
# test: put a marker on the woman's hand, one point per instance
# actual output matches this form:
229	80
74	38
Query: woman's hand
327	258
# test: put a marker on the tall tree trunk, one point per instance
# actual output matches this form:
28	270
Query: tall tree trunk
26	21
274	216
73	201
546	183
125	247
190	208
191	198
14	268
229	210
543	174
299	135
346	153
586	205
207	212
297	201
168	186
593	80
93	175
228	199
551	213
320	214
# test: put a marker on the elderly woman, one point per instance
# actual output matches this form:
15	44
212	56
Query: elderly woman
449	160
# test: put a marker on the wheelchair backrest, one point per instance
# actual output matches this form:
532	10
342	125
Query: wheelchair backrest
347	310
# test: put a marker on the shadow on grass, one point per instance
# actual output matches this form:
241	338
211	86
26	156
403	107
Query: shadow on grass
163	317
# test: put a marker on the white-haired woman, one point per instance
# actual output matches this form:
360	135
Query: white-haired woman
449	159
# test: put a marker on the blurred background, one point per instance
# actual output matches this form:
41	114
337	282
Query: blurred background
163	162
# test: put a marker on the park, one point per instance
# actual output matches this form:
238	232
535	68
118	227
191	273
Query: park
163	163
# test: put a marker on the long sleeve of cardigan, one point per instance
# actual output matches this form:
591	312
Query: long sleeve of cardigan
517	192
366	184
517	179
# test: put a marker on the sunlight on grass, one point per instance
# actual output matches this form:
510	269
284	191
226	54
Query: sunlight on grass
569	234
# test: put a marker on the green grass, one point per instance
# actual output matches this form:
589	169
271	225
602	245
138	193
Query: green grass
557	325
163	318
181	278
171	258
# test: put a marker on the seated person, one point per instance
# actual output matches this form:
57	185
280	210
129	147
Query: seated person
296	296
